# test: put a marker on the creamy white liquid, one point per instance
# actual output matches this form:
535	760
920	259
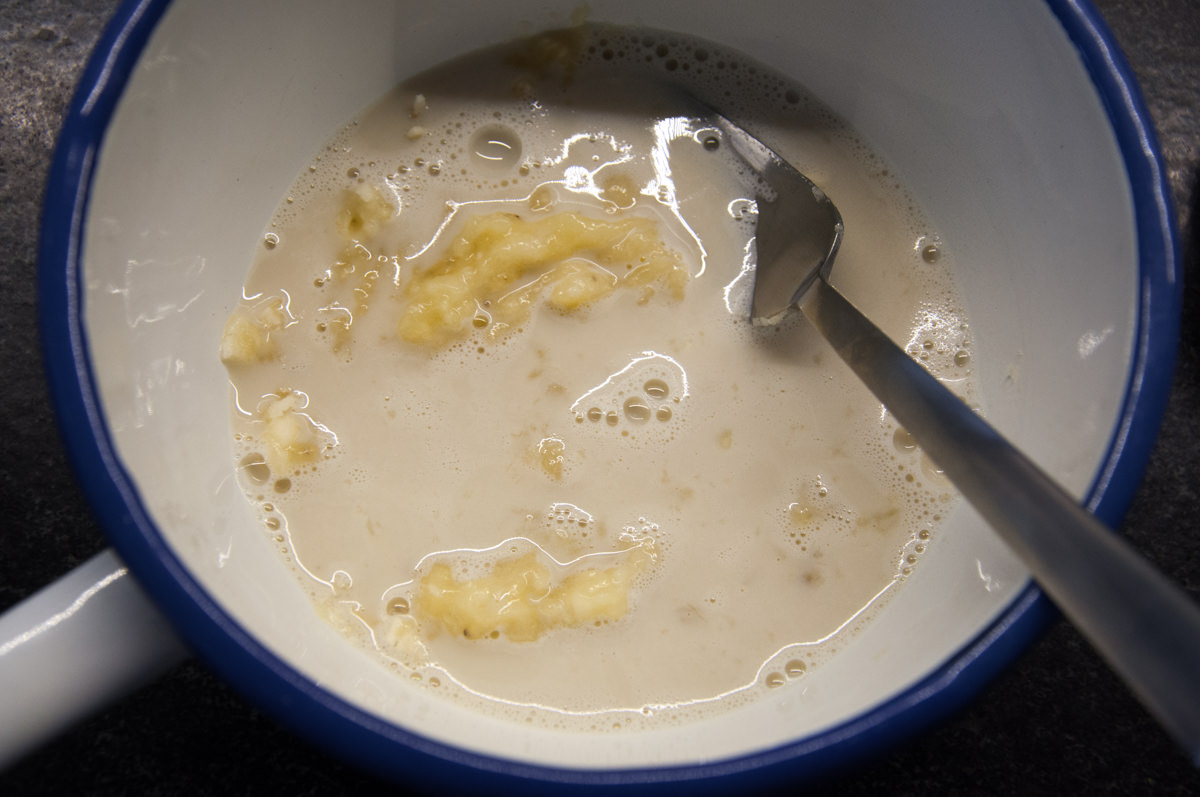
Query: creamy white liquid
784	504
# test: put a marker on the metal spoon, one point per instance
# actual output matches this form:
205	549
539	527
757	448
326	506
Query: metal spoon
1145	627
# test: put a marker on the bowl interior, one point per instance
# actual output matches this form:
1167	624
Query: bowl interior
987	113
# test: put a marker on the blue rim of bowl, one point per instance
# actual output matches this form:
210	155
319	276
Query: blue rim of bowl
405	756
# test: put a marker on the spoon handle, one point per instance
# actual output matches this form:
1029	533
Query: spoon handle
1145	627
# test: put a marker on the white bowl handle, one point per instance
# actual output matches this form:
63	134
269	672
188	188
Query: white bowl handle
74	647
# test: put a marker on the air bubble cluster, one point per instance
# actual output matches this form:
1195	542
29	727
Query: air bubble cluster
646	395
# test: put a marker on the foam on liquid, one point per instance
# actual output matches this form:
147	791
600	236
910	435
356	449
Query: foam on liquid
783	502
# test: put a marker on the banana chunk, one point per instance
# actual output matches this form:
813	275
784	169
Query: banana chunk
363	213
249	336
494	272
518	598
292	438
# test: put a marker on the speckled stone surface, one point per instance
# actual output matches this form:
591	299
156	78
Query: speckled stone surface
1056	722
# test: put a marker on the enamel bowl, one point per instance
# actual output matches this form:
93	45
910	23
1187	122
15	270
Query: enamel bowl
1017	124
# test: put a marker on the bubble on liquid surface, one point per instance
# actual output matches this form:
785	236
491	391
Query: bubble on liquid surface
656	388
795	668
930	248
903	441
637	410
496	147
255	467
709	138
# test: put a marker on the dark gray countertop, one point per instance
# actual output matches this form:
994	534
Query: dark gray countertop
1056	722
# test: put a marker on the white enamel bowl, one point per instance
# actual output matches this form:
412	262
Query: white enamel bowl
1017	125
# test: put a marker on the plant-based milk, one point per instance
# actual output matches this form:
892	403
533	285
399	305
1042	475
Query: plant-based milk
499	402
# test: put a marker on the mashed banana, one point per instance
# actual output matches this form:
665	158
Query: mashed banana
501	263
518	600
290	436
249	335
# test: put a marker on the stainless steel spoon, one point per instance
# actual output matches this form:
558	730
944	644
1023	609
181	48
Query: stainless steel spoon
1147	628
